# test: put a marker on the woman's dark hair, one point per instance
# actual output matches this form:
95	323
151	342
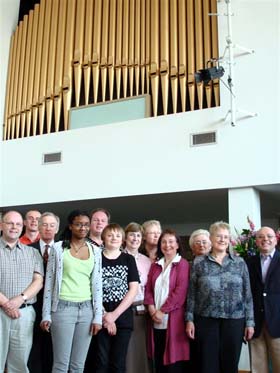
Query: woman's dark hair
178	240
66	235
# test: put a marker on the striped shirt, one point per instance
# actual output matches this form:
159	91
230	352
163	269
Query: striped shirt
17	267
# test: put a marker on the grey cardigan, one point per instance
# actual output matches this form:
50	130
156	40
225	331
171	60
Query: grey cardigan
53	280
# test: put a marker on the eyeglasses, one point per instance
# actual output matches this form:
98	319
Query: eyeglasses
222	237
81	225
154	233
11	224
264	237
201	243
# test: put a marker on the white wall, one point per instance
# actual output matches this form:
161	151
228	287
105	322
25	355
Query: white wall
153	155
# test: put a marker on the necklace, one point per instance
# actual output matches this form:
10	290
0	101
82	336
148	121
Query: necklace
77	249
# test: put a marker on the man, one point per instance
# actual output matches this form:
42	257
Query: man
40	359
264	270
31	227
21	270
100	218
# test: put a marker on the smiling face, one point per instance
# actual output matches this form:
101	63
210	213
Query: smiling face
220	239
48	228
169	246
266	240
31	221
80	227
113	239
201	245
11	226
133	240
99	221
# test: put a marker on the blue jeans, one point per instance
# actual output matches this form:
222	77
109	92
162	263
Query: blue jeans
70	330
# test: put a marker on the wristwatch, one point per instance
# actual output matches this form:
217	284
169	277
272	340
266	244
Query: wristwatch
24	297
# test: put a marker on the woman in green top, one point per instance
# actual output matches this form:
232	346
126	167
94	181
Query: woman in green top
72	308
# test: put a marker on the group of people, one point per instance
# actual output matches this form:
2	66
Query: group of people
126	300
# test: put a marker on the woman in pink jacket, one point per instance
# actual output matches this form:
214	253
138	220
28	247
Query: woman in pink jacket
165	296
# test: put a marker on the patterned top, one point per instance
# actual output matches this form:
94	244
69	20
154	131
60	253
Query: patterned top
220	291
17	267
54	279
116	276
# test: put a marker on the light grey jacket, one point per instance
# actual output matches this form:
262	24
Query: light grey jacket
53	280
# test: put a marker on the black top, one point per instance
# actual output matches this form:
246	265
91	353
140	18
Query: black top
116	275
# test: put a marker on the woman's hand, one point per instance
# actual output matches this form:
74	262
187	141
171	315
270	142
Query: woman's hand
190	329
109	318
94	328
158	316
249	332
111	328
45	326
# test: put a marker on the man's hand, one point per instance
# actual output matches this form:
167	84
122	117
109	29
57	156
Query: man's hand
13	313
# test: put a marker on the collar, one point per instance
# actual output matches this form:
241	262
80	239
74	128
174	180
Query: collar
135	256
176	259
4	243
230	256
270	255
90	240
43	243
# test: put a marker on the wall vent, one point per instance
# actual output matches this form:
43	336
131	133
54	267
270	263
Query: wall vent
205	138
51	158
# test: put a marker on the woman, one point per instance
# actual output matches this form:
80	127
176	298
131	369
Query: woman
137	361
199	242
219	305
165	297
120	285
151	233
72	308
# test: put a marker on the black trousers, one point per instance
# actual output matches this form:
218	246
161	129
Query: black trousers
41	355
112	350
159	342
218	344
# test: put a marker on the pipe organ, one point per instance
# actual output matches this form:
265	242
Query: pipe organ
67	53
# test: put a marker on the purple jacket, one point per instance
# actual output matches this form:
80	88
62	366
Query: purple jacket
177	343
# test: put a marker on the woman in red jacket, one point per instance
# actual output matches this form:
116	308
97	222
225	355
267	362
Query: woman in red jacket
165	296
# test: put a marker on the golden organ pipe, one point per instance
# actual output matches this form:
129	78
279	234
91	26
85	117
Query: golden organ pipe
26	72
51	64
44	66
174	53
112	46
15	83
96	48
20	76
31	73
143	46
191	52
88	48
199	48
137	46
215	49
59	63
164	52
68	56
119	47
207	47
78	49
148	43
125	45
182	51
8	89
131	51
154	65
104	47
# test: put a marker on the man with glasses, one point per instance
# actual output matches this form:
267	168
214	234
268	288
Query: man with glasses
40	359
21	274
264	270
31	227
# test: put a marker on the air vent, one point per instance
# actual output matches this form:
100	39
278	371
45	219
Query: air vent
205	138
51	158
